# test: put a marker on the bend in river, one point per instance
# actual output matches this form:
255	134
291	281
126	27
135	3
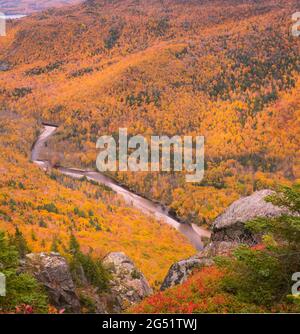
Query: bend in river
193	233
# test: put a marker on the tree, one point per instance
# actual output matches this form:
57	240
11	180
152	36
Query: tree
54	245
74	247
21	289
80	263
20	243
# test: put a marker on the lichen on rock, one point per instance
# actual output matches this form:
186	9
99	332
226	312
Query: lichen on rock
53	272
128	284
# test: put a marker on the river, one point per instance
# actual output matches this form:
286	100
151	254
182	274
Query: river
193	233
12	16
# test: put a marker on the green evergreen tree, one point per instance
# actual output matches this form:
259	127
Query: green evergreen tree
54	245
92	268
21	288
20	243
74	247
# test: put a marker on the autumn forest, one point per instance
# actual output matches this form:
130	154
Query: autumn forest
226	70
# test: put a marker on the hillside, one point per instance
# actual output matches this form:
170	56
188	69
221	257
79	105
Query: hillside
232	76
47	207
227	70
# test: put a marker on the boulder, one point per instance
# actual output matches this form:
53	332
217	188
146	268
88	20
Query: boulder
97	302
53	272
218	248
230	226
180	271
127	283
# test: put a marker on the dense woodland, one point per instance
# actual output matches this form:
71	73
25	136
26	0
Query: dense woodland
47	208
231	76
227	70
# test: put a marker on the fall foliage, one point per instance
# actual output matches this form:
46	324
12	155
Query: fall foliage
226	70
46	207
232	76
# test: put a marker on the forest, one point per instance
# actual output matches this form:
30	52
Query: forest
226	70
231	78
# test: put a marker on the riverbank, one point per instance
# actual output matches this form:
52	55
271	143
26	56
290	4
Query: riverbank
193	233
13	16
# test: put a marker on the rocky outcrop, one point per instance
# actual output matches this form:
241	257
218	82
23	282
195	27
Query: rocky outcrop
98	302
230	226
52	271
127	283
228	232
180	271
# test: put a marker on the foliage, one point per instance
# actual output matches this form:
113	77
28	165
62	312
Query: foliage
91	268
87	304
288	198
254	277
232	76
240	90
20	243
43	210
47	69
200	294
111	40
20	288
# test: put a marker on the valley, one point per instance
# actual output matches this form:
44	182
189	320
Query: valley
193	233
148	241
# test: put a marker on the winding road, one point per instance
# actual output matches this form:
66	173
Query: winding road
192	232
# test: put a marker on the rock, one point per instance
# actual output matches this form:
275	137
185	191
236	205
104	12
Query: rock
230	226
4	66
180	271
98	303
219	248
52	271
128	284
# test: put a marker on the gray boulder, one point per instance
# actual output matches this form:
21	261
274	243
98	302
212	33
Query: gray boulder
180	271
230	226
128	284
53	272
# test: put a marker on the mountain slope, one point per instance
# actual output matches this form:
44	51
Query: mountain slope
47	207
228	70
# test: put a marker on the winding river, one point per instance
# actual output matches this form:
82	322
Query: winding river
192	232
12	16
